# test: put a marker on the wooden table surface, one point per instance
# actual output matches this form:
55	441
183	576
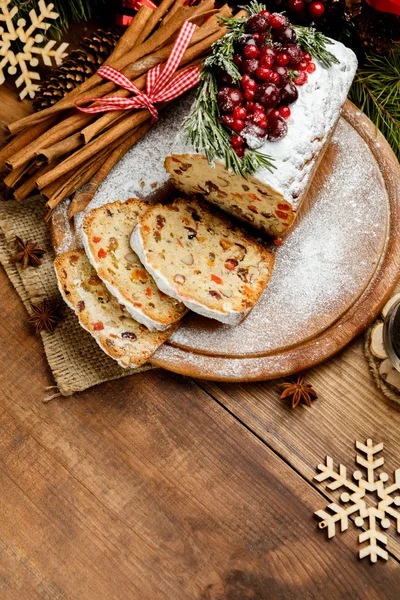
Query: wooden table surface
160	487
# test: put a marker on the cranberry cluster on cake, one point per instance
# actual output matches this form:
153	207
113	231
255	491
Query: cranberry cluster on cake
272	65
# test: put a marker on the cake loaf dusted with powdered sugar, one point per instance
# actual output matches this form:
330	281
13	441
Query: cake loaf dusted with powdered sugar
269	200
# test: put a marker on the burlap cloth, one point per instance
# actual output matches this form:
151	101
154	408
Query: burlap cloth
75	359
374	362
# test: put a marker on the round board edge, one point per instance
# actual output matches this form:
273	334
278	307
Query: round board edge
346	328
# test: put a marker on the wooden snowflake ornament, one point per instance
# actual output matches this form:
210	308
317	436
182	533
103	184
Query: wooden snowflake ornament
29	35
365	514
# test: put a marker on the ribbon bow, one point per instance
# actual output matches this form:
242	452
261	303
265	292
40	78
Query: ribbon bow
159	87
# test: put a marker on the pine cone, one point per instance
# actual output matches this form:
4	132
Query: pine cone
378	31
80	64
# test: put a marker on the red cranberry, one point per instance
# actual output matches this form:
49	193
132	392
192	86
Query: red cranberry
301	79
248	83
257	23
240	112
242	41
249	95
227	120
249	106
285	35
276	20
296	5
284	111
225	78
307	56
250	66
283	73
274	114
237	141
316	9
238	60
282	59
302	66
237	125
263	73
265	13
274	78
268	95
269	51
254	135
289	93
251	51
294	52
277	129
267	61
228	98
240	152
311	67
259	119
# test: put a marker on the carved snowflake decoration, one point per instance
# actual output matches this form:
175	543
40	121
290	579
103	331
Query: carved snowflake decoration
31	38
354	499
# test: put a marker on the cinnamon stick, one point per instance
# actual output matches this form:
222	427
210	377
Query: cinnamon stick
58	132
28	186
82	199
83	154
61	148
24	139
158	14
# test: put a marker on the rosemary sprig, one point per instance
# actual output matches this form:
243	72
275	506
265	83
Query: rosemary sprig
203	127
376	91
315	43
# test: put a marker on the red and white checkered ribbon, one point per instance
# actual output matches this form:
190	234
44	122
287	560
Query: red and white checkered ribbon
159	88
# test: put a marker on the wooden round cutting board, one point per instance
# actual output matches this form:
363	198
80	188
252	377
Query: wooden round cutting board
333	273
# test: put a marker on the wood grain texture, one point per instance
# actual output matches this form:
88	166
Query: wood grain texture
148	488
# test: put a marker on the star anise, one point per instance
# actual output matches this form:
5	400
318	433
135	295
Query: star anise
44	317
28	253
299	391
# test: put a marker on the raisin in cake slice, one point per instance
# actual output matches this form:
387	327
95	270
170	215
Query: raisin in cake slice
269	200
106	235
118	335
197	256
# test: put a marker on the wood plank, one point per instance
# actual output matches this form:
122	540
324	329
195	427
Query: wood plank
350	408
147	484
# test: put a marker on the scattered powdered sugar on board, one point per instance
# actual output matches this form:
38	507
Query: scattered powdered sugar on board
323	265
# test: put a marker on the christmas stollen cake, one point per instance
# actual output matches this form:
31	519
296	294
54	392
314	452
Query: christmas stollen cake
106	235
279	116
118	335
196	255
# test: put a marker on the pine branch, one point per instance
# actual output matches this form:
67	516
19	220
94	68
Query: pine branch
315	43
376	91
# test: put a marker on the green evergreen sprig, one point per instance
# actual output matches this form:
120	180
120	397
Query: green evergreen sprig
315	43
376	91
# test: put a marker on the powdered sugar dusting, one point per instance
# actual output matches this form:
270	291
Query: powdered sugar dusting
324	264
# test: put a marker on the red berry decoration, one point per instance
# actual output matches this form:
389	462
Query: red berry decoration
276	20
295	54
227	120
251	51
274	114
274	78
250	66
289	93
268	95
301	79
311	67
248	83
237	141
277	129
285	35
257	23
265	13
240	152
296	5
284	111
237	125
283	73
267	61
282	59
263	73
249	95
239	113
228	98
307	57
238	60
316	9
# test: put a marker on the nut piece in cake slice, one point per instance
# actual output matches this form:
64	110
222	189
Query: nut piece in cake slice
106	235
197	256
118	335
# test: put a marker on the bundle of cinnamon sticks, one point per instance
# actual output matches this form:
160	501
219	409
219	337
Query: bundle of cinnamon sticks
60	150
